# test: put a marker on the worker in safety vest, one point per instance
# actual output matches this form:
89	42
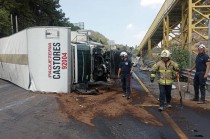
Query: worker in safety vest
165	69
125	70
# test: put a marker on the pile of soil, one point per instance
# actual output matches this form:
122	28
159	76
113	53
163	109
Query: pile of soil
108	103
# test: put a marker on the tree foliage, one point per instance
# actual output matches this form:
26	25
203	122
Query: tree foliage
5	26
181	56
98	37
38	13
31	13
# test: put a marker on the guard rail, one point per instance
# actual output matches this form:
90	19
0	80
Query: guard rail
184	73
149	63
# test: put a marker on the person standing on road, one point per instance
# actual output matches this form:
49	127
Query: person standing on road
201	66
125	70
165	69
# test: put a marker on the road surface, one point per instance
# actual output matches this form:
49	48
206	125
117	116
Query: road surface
25	114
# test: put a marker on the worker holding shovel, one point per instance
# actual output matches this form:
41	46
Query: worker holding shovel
165	68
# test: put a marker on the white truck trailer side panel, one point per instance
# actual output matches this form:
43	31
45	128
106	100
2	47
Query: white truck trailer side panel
49	56
38	59
14	59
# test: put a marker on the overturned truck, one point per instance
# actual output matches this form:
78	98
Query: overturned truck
44	59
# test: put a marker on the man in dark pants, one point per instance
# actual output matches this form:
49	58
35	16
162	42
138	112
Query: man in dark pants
125	69
165	69
201	65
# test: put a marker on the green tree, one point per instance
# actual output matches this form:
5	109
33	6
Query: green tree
181	56
98	37
5	25
32	13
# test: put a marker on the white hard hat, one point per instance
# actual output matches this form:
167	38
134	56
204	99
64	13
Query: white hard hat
123	54
201	46
165	53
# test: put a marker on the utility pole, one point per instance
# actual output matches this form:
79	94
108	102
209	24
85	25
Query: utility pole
12	24
16	22
209	38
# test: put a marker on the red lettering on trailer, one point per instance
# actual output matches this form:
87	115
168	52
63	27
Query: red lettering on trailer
64	61
49	60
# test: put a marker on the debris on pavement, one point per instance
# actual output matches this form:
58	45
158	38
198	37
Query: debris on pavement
109	103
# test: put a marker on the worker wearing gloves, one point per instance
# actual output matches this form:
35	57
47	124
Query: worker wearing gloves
165	69
125	70
202	65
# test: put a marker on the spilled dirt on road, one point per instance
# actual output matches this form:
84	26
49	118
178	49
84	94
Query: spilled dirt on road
186	96
111	104
108	103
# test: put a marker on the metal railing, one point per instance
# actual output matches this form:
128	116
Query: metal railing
149	63
184	73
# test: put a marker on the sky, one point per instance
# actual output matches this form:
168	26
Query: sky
122	21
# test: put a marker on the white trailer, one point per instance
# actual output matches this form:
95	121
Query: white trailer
38	59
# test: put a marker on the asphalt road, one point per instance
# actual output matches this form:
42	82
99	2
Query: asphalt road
28	115
194	123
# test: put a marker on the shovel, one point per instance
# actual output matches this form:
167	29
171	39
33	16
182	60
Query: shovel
180	93
188	83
